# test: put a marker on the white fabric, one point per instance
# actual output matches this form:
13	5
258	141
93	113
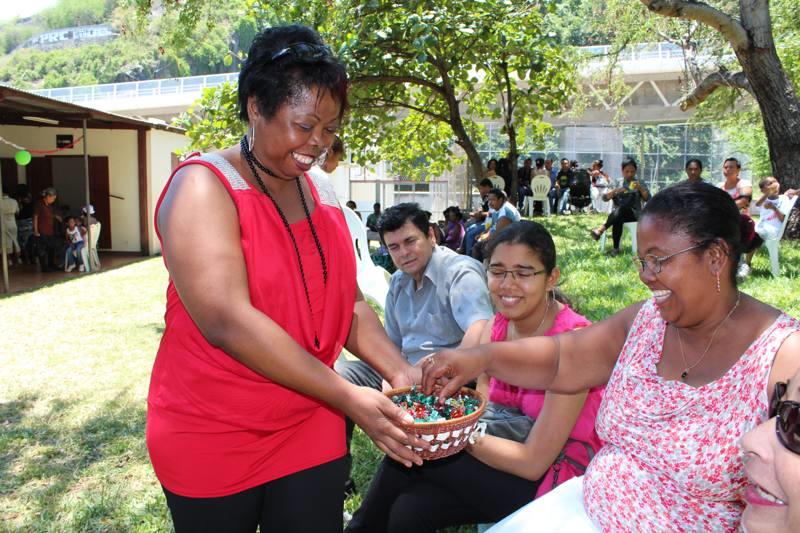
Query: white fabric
769	226
497	182
74	235
559	510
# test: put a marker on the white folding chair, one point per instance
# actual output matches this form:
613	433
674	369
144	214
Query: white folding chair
373	280
540	185
630	227
773	245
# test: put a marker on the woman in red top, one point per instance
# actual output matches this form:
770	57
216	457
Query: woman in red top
245	422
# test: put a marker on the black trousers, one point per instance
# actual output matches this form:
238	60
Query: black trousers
50	250
457	490
309	501
616	219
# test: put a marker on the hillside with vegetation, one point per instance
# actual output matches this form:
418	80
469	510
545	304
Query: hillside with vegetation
141	50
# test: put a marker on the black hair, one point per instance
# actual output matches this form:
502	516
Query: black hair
738	164
629	161
489	161
499	193
695	160
766	181
337	147
376	204
537	238
396	216
539	162
486	182
351	204
454	209
564	159
274	82
598	162
703	212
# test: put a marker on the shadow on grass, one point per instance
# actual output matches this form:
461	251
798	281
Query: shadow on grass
55	469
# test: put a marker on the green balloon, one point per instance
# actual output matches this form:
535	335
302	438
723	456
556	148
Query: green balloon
23	157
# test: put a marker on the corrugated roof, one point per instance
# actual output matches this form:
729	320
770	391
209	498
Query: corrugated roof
16	104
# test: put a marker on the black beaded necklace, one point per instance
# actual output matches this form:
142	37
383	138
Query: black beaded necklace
253	162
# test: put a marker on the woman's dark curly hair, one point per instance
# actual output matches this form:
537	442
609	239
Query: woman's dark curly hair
274	81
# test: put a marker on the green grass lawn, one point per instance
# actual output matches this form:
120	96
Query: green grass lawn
72	395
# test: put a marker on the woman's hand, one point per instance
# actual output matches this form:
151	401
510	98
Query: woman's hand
381	420
447	371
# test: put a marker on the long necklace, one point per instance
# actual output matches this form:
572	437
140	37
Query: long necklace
686	367
252	162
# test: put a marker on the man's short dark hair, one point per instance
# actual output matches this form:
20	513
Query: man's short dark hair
738	164
395	217
499	193
376	205
486	182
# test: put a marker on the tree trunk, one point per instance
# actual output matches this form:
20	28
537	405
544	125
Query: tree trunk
513	157
780	111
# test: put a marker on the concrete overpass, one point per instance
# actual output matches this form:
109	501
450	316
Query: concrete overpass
652	72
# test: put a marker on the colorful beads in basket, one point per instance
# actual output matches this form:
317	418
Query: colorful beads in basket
426	409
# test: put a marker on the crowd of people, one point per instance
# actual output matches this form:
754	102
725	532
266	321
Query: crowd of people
251	408
41	234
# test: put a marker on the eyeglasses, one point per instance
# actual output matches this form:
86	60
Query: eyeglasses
521	274
304	52
787	418
654	263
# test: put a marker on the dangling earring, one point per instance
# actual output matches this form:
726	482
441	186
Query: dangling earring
251	138
718	286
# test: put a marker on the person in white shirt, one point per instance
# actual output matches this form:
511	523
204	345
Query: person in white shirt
8	210
75	241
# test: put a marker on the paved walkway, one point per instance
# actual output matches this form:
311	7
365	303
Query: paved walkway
26	277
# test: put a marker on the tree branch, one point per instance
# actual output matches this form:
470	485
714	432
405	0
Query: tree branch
398	79
702	12
735	80
383	103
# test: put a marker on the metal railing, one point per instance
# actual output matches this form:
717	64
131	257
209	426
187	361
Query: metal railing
194	85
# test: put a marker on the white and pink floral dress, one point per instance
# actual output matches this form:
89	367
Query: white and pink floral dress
671	460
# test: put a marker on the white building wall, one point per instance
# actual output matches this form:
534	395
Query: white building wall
161	145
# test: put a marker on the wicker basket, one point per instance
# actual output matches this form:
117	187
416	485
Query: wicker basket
448	436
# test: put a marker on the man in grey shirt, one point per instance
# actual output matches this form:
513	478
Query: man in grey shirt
437	298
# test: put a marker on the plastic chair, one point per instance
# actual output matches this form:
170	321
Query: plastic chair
540	185
373	280
630	227
773	245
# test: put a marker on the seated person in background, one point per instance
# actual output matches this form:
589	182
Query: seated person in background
600	185
372	219
563	179
772	461
454	233
688	372
503	214
501	471
480	217
352	205
493	176
437	298
524	176
774	208
75	235
741	190
627	201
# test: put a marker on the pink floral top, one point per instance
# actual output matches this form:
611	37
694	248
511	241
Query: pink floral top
671	460
583	437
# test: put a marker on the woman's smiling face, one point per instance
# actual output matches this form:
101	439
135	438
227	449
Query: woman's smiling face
291	141
773	497
518	298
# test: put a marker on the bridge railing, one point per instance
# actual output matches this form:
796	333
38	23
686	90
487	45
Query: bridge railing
138	89
193	85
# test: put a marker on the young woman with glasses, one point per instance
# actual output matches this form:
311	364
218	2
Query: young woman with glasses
535	439
772	461
245	423
688	371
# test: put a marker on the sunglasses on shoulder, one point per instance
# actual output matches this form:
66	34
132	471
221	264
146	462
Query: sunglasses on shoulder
787	418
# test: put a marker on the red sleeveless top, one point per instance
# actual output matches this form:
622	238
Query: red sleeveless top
214	426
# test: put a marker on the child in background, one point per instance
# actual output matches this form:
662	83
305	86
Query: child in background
774	208
74	235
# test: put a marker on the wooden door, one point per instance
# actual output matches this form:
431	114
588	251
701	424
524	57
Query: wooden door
8	169
99	196
40	175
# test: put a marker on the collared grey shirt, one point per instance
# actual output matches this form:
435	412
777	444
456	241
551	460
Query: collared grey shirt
434	316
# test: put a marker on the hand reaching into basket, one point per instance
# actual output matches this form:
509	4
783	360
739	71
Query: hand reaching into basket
381	420
445	372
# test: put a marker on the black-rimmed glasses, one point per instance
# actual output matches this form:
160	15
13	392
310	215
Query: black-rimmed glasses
520	274
787	418
304	52
654	263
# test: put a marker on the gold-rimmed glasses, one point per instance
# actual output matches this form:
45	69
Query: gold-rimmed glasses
654	262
